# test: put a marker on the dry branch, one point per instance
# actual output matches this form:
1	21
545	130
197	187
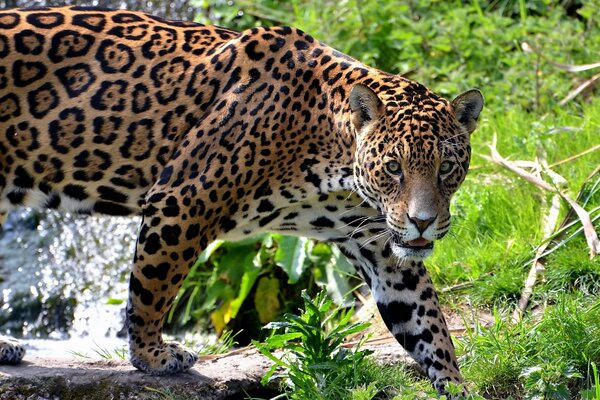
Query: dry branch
537	267
573	93
588	228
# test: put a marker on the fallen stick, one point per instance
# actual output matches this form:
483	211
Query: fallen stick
587	84
537	267
588	228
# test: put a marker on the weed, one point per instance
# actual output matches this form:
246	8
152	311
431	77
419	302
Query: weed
548	358
106	354
316	365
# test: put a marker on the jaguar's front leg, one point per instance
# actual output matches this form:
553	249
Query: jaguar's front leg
167	247
410	308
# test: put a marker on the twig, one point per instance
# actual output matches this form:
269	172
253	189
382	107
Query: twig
537	267
463	285
588	228
567	67
573	93
576	156
569	217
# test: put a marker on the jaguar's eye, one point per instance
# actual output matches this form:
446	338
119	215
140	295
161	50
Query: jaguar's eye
393	167
446	167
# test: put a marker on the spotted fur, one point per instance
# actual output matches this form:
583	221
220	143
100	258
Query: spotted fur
209	133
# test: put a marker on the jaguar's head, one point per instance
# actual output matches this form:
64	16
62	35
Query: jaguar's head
412	154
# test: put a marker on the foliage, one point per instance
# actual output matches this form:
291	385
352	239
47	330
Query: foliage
230	279
316	366
549	359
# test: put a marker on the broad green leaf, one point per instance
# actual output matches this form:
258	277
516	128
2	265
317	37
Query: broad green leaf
291	256
334	279
233	264
206	253
248	279
221	317
277	341
266	299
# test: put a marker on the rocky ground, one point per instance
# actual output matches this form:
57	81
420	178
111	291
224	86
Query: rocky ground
232	376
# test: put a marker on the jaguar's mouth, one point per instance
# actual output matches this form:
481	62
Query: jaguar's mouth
417	244
416	249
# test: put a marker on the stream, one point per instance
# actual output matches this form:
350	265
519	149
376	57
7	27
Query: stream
64	276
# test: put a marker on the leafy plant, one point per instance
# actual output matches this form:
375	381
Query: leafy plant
546	381
258	274
315	364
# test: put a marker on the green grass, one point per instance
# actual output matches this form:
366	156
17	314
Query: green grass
451	46
561	348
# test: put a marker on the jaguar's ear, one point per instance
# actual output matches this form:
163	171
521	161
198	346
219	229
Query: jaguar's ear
467	108
365	105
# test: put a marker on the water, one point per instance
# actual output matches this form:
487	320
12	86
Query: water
62	275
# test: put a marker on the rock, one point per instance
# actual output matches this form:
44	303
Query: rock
231	376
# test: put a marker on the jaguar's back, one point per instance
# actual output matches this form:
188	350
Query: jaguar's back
93	103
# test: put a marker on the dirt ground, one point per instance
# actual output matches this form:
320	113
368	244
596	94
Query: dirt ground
226	377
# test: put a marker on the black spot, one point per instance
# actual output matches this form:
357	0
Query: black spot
109	193
266	220
146	297
110	208
263	190
427	336
29	42
42	100
46	20
4	46
322	222
152	245
69	44
16	197
265	206
76	192
76	78
9	20
427	294
410	280
9	107
408	341
170	234
192	232
159	304
251	51
53	202
301	45
93	22
159	272
189	253
395	312
22	178
227	224
114	57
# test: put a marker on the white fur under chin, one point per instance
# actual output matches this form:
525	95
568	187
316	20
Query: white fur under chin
404	253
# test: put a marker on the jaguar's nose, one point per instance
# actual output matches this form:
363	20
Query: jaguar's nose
421	224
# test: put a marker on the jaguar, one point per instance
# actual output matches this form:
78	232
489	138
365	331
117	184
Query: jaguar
209	133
